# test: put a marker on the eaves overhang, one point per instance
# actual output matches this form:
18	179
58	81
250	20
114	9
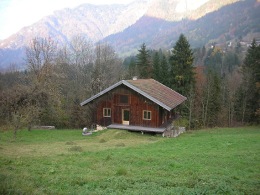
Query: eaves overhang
129	85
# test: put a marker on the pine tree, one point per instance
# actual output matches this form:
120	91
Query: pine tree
182	77
143	63
164	71
214	101
132	70
250	89
156	67
214	60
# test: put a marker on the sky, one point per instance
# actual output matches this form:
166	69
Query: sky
15	14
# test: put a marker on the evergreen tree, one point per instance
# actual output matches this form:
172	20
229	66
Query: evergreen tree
214	59
230	62
143	63
156	67
182	77
214	101
250	90
164	71
132	70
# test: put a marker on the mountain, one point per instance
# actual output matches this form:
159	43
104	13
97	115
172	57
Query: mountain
227	23
92	21
158	23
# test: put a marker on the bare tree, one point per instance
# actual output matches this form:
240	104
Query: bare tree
107	69
74	65
81	51
44	91
40	57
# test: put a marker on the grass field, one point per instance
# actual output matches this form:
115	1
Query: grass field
216	161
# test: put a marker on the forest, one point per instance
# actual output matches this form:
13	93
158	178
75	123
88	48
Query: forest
221	83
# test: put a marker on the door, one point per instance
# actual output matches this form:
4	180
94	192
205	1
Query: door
125	116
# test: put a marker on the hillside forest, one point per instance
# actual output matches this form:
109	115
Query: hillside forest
221	83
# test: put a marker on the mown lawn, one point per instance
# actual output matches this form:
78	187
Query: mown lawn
216	161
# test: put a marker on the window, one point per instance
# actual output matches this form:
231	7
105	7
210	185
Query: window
124	99
107	112
147	115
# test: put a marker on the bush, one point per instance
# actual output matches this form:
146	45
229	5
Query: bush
181	122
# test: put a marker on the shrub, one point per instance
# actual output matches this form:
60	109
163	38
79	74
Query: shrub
181	122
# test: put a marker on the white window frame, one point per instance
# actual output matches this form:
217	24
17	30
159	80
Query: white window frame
106	112
147	111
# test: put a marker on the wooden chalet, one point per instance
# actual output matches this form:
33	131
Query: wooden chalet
137	105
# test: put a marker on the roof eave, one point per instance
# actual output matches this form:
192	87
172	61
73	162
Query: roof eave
101	93
124	82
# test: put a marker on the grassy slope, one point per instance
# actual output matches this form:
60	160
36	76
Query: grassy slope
218	161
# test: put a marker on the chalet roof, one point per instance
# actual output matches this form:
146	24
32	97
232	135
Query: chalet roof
149	88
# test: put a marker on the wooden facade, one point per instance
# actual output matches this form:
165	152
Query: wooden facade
129	103
130	108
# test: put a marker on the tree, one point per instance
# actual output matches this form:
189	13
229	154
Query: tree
143	63
132	69
230	62
40	56
232	82
44	89
107	68
78	67
210	99
214	60
81	52
156	67
182	77
249	94
164	71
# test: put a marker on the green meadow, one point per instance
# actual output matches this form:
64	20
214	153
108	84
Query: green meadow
214	161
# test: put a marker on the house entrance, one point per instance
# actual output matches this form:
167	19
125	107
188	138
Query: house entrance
125	116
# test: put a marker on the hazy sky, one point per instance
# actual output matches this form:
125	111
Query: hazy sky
15	14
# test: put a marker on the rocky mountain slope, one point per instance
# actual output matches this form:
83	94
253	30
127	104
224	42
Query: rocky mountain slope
92	21
158	23
234	21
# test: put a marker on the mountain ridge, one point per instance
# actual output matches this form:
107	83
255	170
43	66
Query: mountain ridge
124	26
226	24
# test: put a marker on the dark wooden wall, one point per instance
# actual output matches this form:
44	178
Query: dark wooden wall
136	104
